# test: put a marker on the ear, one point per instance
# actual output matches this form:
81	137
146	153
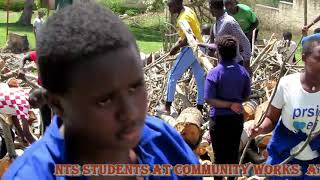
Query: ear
55	102
304	57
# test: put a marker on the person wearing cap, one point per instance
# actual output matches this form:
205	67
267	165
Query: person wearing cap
244	15
293	112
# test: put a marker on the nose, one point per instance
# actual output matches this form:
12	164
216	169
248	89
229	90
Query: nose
127	109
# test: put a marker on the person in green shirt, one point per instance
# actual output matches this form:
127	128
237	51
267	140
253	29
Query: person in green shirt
244	15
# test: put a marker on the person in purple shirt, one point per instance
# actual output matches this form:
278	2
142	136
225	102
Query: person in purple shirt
226	88
91	70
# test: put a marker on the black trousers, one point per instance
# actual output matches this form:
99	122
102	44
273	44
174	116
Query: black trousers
225	132
45	113
249	36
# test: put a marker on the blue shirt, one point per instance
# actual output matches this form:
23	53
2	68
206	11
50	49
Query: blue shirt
228	81
159	144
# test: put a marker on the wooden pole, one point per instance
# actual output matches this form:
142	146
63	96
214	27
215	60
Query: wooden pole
7	30
305	12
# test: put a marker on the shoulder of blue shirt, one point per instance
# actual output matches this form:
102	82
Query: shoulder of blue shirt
39	159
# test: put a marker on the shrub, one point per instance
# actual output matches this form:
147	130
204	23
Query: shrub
13	6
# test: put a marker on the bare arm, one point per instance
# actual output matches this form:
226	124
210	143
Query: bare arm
270	120
179	44
313	22
219	103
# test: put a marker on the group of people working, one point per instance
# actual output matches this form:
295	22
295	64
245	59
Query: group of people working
104	120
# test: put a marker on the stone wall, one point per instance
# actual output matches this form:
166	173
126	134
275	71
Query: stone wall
288	16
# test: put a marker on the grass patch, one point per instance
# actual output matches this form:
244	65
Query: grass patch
146	28
15	27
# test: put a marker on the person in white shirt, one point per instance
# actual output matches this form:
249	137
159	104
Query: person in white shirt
38	23
296	104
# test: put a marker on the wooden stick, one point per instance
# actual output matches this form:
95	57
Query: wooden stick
7	30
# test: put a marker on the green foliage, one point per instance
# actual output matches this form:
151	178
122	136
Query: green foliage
117	7
155	5
132	12
16	5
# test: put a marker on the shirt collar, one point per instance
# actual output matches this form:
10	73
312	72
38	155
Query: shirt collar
227	63
223	16
148	134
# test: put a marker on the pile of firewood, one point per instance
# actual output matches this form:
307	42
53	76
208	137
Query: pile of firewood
265	64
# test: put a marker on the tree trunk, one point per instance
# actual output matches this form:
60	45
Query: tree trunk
25	18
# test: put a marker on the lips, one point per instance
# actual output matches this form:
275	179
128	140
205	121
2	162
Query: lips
130	133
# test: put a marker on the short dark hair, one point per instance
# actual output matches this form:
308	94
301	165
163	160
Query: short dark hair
180	2
75	34
216	4
287	36
227	47
317	30
308	46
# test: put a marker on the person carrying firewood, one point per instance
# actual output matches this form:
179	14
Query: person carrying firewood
186	58
227	87
293	112
97	120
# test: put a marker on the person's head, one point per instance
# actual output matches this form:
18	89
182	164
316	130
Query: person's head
231	6
317	30
41	14
90	66
287	36
205	29
227	47
175	6
216	6
36	98
311	54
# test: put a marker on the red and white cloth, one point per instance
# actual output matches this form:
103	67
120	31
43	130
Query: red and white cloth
14	101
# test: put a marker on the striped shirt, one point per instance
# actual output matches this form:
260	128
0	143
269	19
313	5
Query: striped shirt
227	25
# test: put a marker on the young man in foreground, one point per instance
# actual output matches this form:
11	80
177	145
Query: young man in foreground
90	66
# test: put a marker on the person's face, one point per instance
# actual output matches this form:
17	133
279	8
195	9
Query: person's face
312	61
231	6
40	15
107	101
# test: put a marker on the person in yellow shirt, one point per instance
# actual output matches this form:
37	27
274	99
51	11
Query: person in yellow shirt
186	58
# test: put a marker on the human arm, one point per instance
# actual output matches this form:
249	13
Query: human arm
211	51
24	60
179	44
272	115
307	27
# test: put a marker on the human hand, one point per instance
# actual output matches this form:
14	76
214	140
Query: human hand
236	107
174	51
305	30
21	75
253	131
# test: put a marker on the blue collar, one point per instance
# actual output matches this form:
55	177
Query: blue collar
56	141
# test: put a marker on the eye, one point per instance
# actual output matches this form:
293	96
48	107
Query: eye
105	101
136	87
